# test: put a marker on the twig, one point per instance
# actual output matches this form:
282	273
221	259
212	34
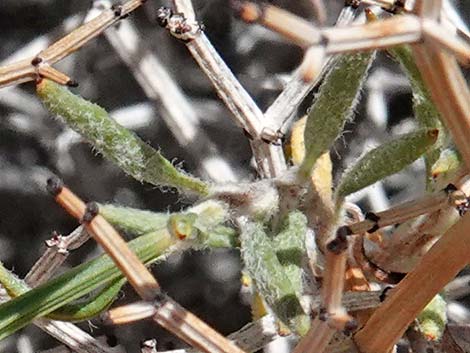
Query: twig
408	210
269	159
54	256
252	337
40	65
161	88
297	89
446	83
320	11
444	260
168	313
79	341
317	338
450	43
137	274
449	92
332	315
393	31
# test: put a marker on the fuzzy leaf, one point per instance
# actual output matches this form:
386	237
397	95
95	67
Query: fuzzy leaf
81	280
385	160
115	142
425	111
289	245
270	278
333	106
133	221
204	223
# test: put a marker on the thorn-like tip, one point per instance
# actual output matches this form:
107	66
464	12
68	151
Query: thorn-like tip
54	185
323	314
117	9
72	83
163	16
36	61
450	188
371	216
384	293
91	210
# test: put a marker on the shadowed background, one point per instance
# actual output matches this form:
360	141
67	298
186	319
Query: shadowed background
33	145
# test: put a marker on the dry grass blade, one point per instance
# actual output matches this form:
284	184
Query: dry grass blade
31	68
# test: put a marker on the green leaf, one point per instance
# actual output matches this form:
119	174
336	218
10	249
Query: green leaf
289	245
44	299
84	310
115	142
205	220
385	160
271	280
204	223
425	111
133	221
333	106
91	307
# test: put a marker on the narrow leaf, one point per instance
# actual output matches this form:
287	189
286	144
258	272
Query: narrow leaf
75	283
270	278
289	245
385	160
84	310
81	280
425	111
333	106
115	142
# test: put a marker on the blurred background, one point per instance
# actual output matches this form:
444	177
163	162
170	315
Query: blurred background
34	146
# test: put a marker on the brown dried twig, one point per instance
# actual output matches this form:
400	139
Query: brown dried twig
442	263
40	65
167	313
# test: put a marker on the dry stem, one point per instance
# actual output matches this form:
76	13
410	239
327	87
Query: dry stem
269	158
442	263
31	68
408	210
54	256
